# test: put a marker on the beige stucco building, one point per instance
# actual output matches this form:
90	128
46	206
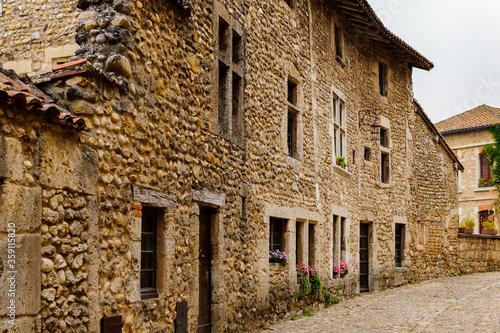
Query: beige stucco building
467	134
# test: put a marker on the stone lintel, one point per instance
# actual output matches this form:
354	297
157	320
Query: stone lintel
400	219
205	196
151	197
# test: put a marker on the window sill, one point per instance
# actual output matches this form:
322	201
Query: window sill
484	189
386	150
274	266
341	171
383	185
340	60
400	270
478	236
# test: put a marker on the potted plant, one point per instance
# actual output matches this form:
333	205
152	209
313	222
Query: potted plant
466	225
312	272
336	270
316	284
278	257
489	227
302	271
341	162
344	269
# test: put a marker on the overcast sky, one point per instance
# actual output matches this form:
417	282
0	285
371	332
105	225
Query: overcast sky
461	38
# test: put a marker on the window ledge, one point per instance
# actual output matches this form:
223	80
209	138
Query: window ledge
383	185
341	171
340	60
483	189
274	266
400	270
386	150
478	236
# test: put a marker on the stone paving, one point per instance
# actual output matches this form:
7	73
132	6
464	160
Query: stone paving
468	303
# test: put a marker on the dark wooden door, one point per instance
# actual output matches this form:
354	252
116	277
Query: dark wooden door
363	257
205	266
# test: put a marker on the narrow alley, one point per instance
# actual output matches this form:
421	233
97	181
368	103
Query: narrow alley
469	303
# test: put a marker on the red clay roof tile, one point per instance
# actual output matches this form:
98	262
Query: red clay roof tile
479	117
28	97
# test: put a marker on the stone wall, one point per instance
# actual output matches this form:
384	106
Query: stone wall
48	201
37	34
478	253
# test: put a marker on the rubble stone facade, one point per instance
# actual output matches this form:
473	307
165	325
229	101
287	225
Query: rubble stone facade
223	118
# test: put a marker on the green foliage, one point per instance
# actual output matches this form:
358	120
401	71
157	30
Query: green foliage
467	223
316	284
307	313
305	285
493	154
489	224
336	300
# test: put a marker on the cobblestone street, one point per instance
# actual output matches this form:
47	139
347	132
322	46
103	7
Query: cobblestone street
468	303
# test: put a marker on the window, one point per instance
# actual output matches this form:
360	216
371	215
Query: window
339	127
290	3
384	168
277	228
339	239
368	154
484	171
230	94
382	78
353	156
292	115
148	253
384	137
484	215
299	242
399	244
338	41
312	244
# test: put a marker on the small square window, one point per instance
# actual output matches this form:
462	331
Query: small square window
148	253
223	35
338	42
368	154
384	168
399	244
292	93
384	137
382	78
276	232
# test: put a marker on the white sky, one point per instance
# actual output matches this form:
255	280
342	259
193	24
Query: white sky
461	38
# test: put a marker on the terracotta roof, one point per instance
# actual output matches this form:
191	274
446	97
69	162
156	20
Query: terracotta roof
480	117
19	90
362	17
437	136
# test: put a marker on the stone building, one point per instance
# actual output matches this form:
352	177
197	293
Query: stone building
198	130
467	133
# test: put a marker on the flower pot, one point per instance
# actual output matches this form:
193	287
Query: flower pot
335	275
489	232
461	230
298	279
338	163
342	276
468	231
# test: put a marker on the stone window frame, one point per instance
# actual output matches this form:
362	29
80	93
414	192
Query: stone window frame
293	111
385	151
165	204
292	4
340	228
405	247
383	79
150	291
230	110
339	125
399	232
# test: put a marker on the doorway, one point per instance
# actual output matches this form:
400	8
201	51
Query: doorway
205	271
364	257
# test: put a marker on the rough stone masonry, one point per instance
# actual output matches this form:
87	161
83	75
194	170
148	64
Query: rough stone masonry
224	121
